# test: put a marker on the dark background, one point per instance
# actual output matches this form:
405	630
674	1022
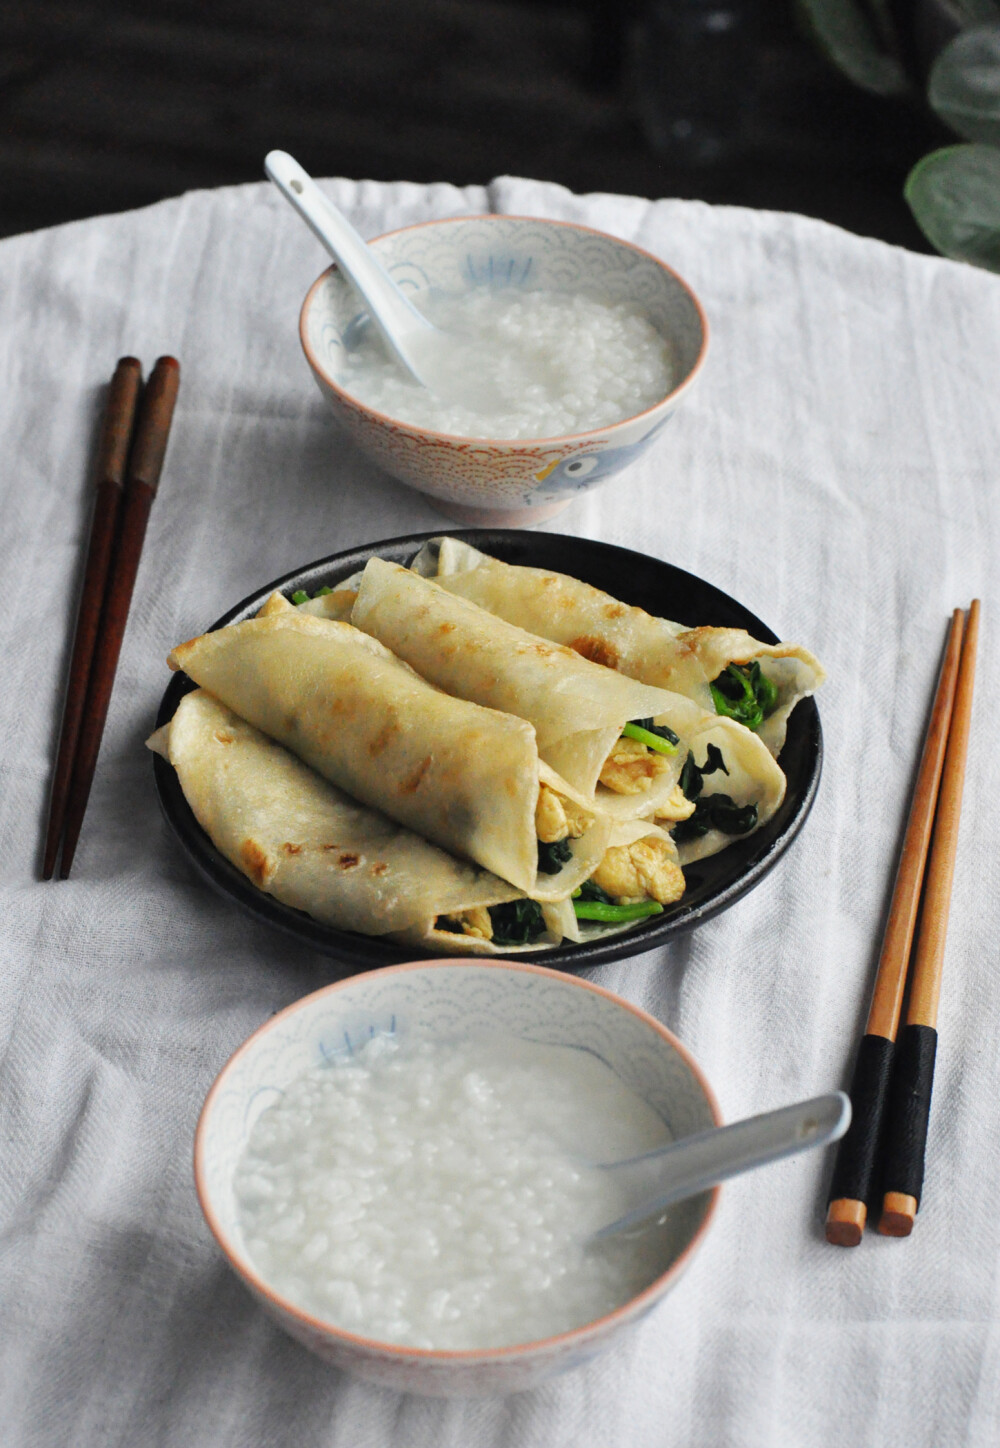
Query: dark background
111	104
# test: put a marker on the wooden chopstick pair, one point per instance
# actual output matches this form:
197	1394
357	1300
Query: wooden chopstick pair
883	1151
131	449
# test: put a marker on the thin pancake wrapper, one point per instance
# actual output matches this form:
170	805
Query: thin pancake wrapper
303	841
467	778
653	650
578	709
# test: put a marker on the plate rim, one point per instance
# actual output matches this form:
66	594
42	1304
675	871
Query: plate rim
357	952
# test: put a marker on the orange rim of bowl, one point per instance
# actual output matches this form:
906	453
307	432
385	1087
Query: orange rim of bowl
244	1269
512	442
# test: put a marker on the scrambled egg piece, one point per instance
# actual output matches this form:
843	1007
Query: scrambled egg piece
630	768
474	922
676	807
644	870
557	818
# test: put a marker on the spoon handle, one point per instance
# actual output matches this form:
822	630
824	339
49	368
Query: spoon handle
696	1163
393	312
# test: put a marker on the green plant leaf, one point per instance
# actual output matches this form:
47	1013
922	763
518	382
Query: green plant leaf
842	30
954	195
552	857
964	87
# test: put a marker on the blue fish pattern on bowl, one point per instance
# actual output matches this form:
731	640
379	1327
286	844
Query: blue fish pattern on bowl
578	473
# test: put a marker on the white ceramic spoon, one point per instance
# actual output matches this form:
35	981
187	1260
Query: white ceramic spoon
393	313
695	1163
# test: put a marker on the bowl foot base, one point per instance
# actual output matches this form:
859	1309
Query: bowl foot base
521	517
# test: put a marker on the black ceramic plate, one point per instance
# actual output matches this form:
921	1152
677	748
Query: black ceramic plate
712	884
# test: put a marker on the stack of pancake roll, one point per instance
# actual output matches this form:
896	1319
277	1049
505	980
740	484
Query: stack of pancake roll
473	757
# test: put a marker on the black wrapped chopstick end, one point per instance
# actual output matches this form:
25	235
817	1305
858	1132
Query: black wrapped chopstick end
854	1172
909	1111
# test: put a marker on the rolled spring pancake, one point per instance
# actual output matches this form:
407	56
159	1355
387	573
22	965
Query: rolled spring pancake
303	841
467	650
653	650
467	778
641	863
578	709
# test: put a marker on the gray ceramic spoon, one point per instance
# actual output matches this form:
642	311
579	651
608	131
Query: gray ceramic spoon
393	313
695	1163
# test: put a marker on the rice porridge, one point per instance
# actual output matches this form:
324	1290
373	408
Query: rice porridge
440	1195
513	364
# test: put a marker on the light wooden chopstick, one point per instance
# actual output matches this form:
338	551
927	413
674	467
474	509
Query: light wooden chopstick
913	1073
854	1178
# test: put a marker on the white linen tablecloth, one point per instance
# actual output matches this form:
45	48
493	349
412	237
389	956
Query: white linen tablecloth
837	471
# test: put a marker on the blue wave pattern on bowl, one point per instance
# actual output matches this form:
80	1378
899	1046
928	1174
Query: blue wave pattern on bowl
498	273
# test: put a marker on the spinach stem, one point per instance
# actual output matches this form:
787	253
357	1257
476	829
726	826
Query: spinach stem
615	914
651	741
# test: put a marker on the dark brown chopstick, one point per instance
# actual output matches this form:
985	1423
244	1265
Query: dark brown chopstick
854	1174
145	462
112	453
913	1073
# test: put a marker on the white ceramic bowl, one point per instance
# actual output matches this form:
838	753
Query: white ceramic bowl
441	1000
487	481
